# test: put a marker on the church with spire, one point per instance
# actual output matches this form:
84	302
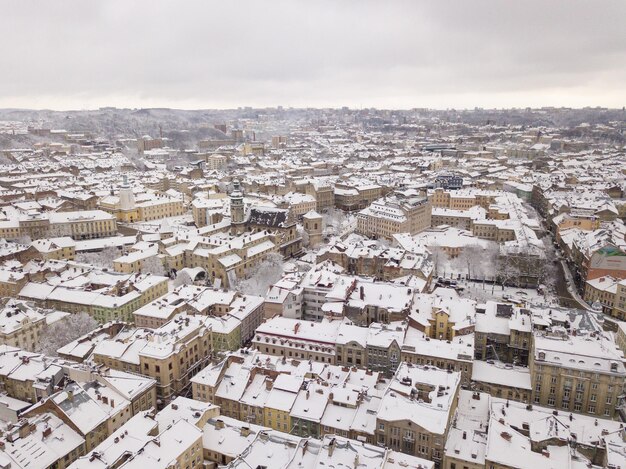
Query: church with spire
277	221
131	207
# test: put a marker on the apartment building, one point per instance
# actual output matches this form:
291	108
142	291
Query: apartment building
43	440
28	376
226	259
416	411
171	354
20	325
619	303
215	162
207	211
303	340
55	248
128	207
386	217
87	224
583	374
504	333
455	355
103	295
11	282
602	290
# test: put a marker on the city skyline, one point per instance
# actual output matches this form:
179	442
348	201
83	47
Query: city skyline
396	55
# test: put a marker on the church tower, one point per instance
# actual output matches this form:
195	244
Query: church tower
312	222
126	196
237	213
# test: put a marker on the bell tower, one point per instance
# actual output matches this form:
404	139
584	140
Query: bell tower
237	213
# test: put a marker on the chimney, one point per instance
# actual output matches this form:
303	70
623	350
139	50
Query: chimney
219	424
361	292
545	452
331	447
268	384
174	406
244	431
465	435
296	328
25	430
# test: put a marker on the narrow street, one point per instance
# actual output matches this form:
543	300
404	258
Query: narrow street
566	289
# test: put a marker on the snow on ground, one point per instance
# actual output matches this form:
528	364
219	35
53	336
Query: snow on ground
482	292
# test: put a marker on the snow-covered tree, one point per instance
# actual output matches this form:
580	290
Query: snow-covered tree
25	239
549	270
102	259
332	221
153	265
478	262
304	235
261	276
439	258
62	332
59	230
182	278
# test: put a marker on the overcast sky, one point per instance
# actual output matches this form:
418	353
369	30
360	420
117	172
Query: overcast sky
387	54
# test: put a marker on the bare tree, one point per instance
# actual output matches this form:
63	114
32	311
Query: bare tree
24	239
439	258
261	276
332	221
304	235
507	272
62	332
153	265
102	259
59	230
481	261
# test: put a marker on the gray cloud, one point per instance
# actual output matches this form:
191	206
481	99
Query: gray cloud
395	54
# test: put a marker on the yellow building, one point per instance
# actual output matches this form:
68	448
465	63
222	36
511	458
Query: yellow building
276	412
577	374
87	224
602	290
55	248
20	325
145	207
171	354
384	218
105	302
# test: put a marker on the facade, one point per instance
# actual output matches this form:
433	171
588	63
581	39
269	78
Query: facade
87	224
312	222
577	374
20	325
384	218
170	354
